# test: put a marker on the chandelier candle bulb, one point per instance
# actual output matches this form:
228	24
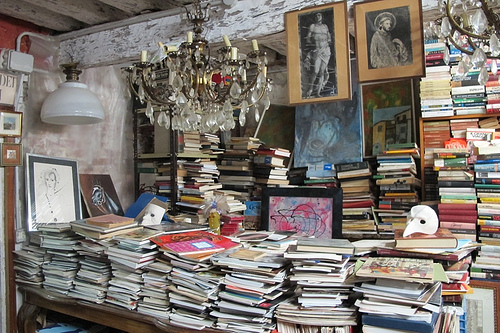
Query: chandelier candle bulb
244	76
234	53
144	56
264	71
226	40
255	45
171	48
190	37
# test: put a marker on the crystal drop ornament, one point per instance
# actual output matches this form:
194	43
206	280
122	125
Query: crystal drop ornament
483	76
445	27
235	90
494	45
162	119
479	22
494	67
478	58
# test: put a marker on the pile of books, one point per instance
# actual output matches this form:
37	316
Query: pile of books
435	99
358	198
320	269
270	166
399	298
236	165
104	226
469	99
399	186
28	262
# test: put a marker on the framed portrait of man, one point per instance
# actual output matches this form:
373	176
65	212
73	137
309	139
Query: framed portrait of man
389	40
318	54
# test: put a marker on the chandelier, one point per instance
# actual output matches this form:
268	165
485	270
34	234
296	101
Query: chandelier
472	27
192	90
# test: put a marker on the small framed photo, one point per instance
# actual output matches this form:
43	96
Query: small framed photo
12	154
318	54
10	123
389	40
483	306
53	191
306	211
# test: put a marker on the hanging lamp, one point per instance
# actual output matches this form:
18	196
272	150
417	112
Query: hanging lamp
72	103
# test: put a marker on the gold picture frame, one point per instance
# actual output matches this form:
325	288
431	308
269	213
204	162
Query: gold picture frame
389	40
12	154
483	306
318	54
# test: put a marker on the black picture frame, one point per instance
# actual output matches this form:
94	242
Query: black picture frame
52	191
308	211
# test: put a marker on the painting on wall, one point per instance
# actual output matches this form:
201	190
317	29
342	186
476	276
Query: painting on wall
277	127
323	131
99	195
388	115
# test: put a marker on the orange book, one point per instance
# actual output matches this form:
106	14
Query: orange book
442	238
109	220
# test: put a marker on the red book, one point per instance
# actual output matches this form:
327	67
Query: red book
489	228
222	241
468	212
457	218
197	246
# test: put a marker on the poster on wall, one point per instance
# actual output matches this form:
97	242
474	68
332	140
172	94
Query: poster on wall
329	133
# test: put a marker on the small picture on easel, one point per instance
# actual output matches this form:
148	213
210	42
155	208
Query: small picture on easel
99	195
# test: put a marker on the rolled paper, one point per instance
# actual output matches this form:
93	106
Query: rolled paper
226	40
234	53
144	56
190	37
255	45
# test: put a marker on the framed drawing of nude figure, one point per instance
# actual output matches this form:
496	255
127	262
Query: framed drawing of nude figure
318	54
389	40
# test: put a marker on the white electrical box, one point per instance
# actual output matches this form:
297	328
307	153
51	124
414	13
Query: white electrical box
20	62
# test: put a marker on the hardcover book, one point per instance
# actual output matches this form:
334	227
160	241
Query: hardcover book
325	245
415	269
109	220
442	238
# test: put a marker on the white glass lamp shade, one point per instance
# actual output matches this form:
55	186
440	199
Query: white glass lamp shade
72	104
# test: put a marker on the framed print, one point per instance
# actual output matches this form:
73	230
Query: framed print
12	154
388	115
99	195
318	54
307	211
10	123
389	40
323	131
483	306
53	190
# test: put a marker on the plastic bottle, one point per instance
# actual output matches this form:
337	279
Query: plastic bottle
214	219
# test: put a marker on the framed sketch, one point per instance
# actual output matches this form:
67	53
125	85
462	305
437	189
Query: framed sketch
53	190
307	211
483	306
10	123
12	154
389	40
323	131
99	195
318	54
388	115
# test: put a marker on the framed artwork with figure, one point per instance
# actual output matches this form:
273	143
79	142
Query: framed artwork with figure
52	191
318	54
307	211
99	195
389	40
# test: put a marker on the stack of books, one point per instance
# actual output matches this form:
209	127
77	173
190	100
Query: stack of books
254	284
237	161
487	263
154	293
319	274
270	166
399	298
231	223
163	178
92	279
125	286
210	144
492	87
458	127
60	271
435	99
469	100
104	226
457	195
28	262
357	185
399	186
191	141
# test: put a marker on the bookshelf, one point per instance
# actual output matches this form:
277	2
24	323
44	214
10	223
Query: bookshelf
422	121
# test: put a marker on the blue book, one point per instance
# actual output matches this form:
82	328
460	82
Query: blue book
142	202
487	167
399	323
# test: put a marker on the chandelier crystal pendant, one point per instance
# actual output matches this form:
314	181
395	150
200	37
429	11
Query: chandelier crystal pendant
473	27
193	90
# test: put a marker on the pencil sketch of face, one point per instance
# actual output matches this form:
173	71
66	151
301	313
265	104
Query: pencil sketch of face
51	180
153	214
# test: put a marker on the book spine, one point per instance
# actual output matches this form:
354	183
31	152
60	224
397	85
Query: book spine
457	225
457	218
489	228
352	166
493	181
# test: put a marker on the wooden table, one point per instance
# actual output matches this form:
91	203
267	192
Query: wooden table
36	299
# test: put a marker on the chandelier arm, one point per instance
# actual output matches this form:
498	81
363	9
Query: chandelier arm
150	93
457	26
491	16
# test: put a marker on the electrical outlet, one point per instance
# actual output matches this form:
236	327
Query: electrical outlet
20	235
